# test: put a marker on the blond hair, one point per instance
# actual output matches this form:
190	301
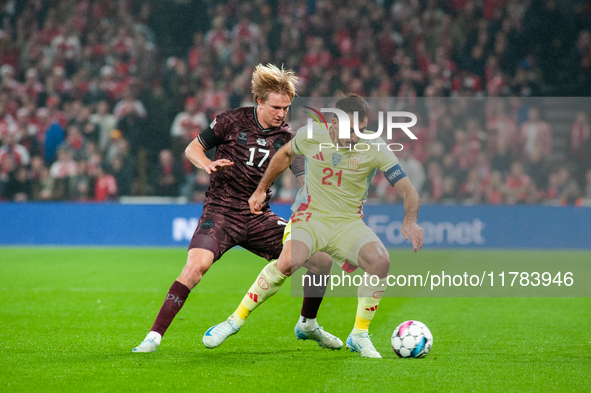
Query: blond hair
270	79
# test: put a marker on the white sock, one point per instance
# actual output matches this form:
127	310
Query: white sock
307	323
157	337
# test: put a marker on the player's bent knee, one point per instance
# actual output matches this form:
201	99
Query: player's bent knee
382	267
320	263
375	260
190	277
198	263
284	263
292	257
325	259
378	267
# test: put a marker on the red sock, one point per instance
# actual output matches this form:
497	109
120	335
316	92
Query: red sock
314	290
177	294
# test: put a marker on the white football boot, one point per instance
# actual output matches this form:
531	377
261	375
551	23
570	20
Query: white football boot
318	334
216	335
361	343
150	343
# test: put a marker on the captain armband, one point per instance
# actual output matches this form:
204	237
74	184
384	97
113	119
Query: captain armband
394	174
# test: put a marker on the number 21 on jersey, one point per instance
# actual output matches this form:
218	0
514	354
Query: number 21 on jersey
329	173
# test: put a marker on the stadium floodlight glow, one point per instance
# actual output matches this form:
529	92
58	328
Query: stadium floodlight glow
345	123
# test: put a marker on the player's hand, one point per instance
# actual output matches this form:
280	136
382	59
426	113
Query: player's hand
218	165
256	201
413	231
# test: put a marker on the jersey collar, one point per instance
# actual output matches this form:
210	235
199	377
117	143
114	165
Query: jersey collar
256	119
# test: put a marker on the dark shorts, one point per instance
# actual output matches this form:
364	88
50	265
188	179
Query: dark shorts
260	234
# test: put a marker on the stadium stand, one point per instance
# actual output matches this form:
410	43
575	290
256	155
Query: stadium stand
97	98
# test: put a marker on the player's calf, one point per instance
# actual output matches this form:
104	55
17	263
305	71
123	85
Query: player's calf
368	300
266	285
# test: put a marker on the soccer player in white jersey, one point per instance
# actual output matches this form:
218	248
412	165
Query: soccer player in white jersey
330	217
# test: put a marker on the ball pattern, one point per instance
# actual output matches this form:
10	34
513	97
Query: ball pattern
412	339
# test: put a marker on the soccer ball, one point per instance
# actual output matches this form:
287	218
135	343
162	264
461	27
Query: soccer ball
412	339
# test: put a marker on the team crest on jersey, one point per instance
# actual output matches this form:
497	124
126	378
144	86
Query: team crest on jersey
261	142
336	158
242	139
278	144
213	123
354	162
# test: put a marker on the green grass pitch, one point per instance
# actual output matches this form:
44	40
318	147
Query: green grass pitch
69	318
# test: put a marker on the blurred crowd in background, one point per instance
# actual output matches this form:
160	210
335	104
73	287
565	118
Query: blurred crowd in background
98	99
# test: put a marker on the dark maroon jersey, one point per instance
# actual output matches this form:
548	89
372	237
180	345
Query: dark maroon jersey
240	138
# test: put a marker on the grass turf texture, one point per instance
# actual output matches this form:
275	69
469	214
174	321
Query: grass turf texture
70	317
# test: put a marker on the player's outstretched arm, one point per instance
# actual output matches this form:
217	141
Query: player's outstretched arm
195	152
410	228
279	163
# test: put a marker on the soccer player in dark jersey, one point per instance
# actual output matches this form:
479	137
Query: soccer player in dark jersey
246	139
